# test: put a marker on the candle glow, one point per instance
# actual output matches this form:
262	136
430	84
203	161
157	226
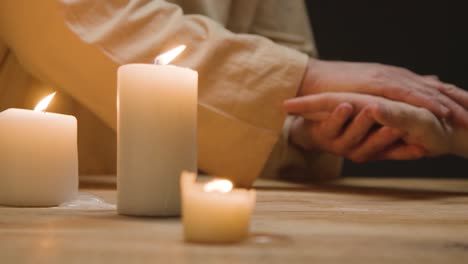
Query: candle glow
169	56
44	103
218	185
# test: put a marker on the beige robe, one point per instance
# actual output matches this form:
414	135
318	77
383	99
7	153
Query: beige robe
250	56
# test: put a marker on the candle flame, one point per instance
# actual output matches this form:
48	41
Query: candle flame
168	56
44	103
223	186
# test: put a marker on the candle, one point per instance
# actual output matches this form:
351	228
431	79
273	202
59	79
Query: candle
156	134
213	212
38	157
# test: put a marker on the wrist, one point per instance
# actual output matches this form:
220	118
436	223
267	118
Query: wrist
309	78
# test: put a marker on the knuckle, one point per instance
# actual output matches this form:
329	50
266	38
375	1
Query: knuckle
389	89
435	98
379	109
352	141
401	70
431	90
378	74
404	70
404	92
449	88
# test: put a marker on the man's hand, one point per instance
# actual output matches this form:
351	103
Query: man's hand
357	140
419	127
437	136
386	81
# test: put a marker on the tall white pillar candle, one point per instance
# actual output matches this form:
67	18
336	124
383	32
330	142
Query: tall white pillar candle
38	158
156	134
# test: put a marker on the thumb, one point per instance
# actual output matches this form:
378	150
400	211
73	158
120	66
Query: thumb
395	116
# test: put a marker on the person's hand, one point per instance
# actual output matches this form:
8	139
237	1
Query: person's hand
456	94
436	136
355	139
419	126
386	81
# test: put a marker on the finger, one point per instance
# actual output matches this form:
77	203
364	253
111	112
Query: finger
452	97
412	96
426	84
433	81
457	94
403	152
391	116
311	104
375	143
456	99
456	103
316	116
332	127
445	103
357	130
414	89
435	101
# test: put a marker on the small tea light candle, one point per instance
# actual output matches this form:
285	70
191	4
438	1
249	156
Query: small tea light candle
38	157
214	212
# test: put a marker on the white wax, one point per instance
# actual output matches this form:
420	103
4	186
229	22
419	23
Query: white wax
215	217
157	116
38	158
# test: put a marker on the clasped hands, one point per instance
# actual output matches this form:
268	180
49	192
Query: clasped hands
369	111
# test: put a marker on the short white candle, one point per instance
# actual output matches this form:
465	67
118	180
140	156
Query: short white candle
38	158
213	213
157	116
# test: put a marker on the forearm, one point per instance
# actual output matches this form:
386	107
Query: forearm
243	78
240	69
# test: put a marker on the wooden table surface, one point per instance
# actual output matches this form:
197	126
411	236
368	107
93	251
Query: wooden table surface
353	220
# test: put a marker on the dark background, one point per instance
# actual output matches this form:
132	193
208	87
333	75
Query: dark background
428	37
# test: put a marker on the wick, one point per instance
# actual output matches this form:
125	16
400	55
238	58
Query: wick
167	57
157	61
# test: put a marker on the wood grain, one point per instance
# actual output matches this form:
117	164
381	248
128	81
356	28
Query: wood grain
353	220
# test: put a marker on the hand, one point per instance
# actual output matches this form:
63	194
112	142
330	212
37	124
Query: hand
382	80
436	136
419	126
458	95
336	136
